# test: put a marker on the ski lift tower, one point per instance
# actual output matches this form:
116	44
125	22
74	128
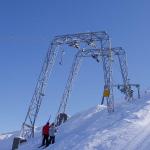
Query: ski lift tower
104	55
81	42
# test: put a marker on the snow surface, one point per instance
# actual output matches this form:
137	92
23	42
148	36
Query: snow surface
95	129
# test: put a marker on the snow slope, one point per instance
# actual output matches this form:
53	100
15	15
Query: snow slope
94	129
6	140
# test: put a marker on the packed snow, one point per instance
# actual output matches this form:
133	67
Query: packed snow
95	129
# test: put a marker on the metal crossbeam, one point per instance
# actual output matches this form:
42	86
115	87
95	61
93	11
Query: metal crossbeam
81	38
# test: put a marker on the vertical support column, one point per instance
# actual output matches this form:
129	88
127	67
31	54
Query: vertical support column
124	72
108	82
27	129
67	91
107	67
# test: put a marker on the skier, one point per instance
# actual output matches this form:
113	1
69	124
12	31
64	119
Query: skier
45	134
52	132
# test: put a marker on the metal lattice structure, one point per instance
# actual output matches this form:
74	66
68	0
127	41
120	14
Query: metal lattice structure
79	41
104	54
27	129
92	44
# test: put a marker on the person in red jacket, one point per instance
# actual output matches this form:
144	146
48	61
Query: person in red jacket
45	133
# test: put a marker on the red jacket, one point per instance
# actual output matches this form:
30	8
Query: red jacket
46	129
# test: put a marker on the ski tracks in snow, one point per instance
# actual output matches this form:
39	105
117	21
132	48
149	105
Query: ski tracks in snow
141	140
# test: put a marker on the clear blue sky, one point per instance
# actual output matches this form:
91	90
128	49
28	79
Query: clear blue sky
26	29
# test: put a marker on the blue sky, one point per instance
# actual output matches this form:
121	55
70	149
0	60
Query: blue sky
26	29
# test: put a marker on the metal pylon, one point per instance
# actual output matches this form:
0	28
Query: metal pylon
106	54
81	40
126	86
67	91
27	129
124	72
90	44
107	68
96	54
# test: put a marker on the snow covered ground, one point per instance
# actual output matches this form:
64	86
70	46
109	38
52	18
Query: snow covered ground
128	128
